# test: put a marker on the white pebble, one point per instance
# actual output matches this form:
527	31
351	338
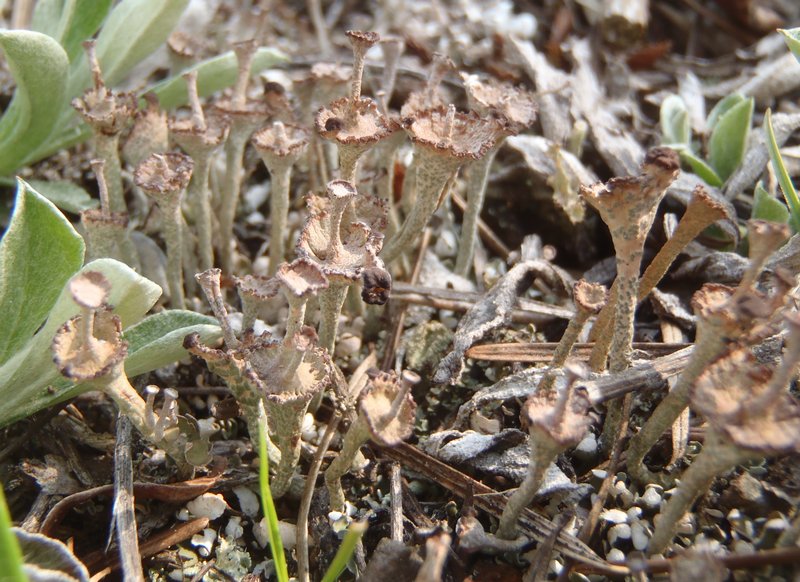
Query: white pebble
234	529
261	533
204	542
248	501
639	536
210	505
288	533
308	431
634	513
686	525
446	244
621	531
349	345
615	555
651	498
614	516
587	448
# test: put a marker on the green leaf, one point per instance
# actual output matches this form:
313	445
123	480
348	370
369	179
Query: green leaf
792	37
267	503
728	140
700	168
70	22
789	192
26	378
722	107
345	551
134	29
47	16
66	195
157	340
765	207
10	553
38	254
674	119
87	16
213	75
39	66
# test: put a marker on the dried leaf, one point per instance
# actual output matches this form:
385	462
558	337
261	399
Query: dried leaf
492	312
619	149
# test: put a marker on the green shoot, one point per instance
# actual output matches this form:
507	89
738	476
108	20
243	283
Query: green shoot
10	553
789	192
345	551
268	505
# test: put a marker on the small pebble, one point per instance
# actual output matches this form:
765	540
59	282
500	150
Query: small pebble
615	555
621	531
234	529
248	501
614	516
587	448
639	536
446	244
651	497
205	541
686	525
210	505
348	345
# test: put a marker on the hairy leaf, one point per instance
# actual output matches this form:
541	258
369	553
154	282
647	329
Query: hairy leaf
674	119
70	22
29	381
700	168
66	195
38	254
213	75
722	107
728	140
157	340
134	29
39	66
765	207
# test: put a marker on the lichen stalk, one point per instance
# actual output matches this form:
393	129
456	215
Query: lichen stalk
173	237
357	435
476	194
709	345
716	457
295	319
331	302
210	284
430	180
701	212
231	188
199	193
543	451
106	148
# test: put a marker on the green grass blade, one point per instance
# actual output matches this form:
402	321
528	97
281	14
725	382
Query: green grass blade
345	551
275	542
789	192
10	553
